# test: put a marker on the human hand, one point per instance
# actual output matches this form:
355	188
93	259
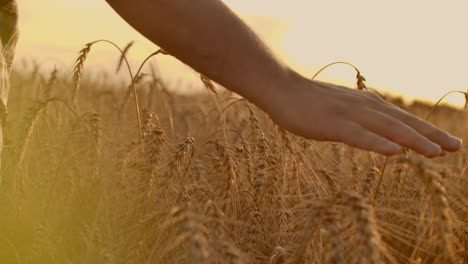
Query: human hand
328	112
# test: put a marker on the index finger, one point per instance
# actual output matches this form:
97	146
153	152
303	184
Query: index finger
442	138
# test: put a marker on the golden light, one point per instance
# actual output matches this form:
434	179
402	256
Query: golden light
413	47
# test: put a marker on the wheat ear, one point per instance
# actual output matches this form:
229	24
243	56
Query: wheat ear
399	168
368	184
368	239
78	70
51	83
124	54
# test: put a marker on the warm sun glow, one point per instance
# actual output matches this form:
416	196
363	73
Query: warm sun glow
106	161
413	47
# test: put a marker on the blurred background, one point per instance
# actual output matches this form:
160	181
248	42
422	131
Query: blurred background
211	179
416	48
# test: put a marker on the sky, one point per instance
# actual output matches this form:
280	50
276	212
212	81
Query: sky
417	48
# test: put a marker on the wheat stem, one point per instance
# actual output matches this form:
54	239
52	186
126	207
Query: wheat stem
79	68
442	98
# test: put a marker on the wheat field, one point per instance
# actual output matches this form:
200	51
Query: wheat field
209	178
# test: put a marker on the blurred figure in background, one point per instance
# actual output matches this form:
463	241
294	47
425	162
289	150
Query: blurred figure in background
9	37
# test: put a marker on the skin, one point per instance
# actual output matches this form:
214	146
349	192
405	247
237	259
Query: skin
209	37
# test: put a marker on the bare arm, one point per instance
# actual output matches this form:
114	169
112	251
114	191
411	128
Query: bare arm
209	37
206	35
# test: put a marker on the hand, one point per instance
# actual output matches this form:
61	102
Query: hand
327	112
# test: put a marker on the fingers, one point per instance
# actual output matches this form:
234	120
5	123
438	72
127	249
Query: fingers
357	136
397	131
442	138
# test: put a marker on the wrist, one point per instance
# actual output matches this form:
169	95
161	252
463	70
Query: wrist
271	94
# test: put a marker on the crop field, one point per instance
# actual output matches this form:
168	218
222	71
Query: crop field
209	178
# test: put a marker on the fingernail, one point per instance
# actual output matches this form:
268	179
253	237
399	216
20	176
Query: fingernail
443	153
456	143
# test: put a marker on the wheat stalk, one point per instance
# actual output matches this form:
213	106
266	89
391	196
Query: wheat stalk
124	54
441	99
230	169
331	180
78	70
258	195
368	238
208	83
360	80
51	83
279	256
399	168
442	214
183	157
427	118
29	124
466	99
96	124
334	245
128	95
138	76
231	254
368	183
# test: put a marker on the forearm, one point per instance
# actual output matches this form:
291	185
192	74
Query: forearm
208	36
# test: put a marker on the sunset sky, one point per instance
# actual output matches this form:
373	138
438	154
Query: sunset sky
419	48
